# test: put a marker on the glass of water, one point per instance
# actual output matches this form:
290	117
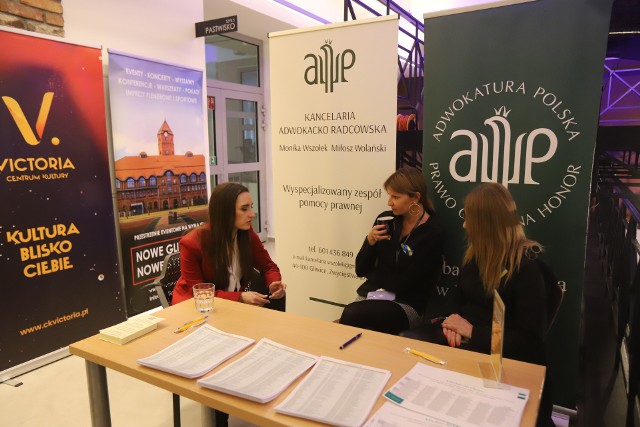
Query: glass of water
203	296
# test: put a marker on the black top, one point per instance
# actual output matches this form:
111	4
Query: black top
412	278
524	297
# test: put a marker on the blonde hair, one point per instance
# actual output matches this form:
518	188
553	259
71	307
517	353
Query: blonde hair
495	236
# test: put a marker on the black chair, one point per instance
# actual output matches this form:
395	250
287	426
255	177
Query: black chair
165	283
555	294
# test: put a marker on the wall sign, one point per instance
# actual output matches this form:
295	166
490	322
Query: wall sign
217	26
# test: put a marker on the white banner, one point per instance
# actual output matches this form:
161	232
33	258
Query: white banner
334	107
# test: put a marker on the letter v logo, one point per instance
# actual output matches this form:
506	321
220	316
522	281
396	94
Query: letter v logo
21	120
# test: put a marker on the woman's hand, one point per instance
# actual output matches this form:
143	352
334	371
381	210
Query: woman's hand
453	338
377	233
277	290
456	327
253	298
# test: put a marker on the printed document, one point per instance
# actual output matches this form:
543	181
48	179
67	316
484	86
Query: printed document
458	398
197	353
390	415
263	373
337	393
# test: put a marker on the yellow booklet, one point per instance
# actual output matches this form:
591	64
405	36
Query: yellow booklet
130	329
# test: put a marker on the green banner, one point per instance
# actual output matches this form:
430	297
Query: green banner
511	95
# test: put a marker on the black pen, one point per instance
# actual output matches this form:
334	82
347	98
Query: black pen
350	341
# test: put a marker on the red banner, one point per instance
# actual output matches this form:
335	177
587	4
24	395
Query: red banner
59	266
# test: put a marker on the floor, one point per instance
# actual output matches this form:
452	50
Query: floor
55	395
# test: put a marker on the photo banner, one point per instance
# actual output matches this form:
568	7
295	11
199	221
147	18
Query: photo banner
333	127
59	263
511	95
161	182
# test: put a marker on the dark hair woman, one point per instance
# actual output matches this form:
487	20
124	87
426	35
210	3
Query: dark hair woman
227	252
401	261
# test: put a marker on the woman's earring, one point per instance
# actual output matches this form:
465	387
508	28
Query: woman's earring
414	209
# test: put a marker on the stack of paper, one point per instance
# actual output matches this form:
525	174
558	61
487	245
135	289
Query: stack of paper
197	353
337	393
262	374
131	329
455	399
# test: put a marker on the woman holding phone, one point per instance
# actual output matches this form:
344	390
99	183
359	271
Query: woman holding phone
227	252
401	258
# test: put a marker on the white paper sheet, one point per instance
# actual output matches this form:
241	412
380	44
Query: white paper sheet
263	373
337	393
390	415
458	398
197	353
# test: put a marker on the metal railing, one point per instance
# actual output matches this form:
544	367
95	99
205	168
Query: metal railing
617	208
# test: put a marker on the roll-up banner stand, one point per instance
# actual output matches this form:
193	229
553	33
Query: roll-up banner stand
333	109
58	258
160	174
511	95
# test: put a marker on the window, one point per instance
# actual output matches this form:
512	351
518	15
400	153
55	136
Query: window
231	60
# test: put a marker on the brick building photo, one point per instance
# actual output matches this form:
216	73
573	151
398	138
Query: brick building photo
150	183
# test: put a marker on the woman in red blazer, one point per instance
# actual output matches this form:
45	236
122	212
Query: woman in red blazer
227	252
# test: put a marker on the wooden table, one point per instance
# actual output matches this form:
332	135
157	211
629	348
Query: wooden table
314	336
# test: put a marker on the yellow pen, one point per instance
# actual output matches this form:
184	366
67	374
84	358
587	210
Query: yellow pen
190	324
426	356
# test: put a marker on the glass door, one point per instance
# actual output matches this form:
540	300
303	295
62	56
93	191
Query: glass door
236	145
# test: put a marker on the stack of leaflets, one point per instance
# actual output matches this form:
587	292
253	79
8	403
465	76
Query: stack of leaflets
130	329
197	353
337	393
263	373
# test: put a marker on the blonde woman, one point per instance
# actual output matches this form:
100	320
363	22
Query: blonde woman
499	256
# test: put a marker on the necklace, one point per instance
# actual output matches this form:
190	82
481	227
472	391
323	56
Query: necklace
406	249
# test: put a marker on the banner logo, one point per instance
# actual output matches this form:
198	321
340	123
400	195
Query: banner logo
22	123
33	168
502	144
504	132
328	69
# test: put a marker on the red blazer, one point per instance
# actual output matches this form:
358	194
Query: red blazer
197	267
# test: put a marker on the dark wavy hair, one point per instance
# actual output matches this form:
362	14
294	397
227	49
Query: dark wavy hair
218	242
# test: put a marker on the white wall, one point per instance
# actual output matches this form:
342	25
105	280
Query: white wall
158	29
